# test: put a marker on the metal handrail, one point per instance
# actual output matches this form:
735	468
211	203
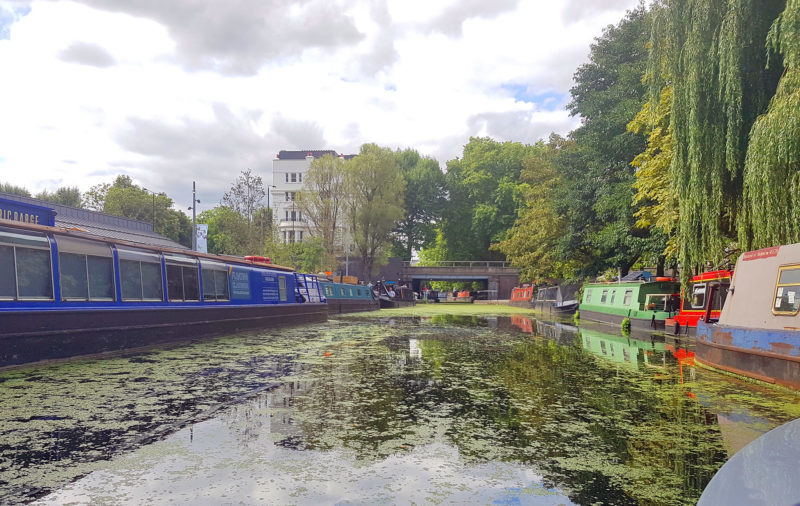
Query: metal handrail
460	263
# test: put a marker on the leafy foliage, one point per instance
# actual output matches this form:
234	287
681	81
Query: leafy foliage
424	201
771	181
715	53
66	195
375	188
481	188
321	201
14	189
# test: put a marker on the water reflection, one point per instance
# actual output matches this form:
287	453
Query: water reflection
447	408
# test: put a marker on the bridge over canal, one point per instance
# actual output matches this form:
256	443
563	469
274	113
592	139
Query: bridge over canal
499	277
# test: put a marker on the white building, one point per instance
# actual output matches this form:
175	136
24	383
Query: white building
288	171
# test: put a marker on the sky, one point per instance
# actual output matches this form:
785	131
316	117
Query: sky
174	91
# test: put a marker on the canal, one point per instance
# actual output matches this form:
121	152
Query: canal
426	405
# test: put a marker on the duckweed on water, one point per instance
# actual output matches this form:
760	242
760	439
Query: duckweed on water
372	389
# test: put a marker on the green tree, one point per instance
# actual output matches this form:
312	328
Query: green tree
771	210
14	189
596	198
532	243
66	195
481	206
375	190
227	231
424	202
715	54
124	198
321	201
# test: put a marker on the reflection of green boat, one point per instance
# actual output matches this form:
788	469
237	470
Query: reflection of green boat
633	353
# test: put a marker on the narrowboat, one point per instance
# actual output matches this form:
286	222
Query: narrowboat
560	299
348	298
696	302
645	299
758	332
403	297
521	296
66	292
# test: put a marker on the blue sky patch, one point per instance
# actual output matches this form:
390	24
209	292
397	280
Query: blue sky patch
9	16
545	101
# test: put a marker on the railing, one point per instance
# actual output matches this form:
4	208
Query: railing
459	263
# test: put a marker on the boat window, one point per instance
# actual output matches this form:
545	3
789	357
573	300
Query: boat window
8	277
101	278
282	287
215	284
627	300
613	294
328	290
719	297
787	291
183	283
589	295
25	269
699	296
140	275
74	277
603	297
656	302
86	269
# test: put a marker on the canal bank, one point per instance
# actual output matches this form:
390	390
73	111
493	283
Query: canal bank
448	405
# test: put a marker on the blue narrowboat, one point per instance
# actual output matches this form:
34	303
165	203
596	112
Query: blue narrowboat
65	293
758	331
348	298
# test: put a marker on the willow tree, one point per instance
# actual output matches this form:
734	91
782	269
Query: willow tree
715	53
771	210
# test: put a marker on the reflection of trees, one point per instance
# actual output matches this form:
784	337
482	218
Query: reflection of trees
644	440
609	436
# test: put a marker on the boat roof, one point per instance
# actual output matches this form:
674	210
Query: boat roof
83	234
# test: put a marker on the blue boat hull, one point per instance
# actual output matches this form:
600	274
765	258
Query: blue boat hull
767	355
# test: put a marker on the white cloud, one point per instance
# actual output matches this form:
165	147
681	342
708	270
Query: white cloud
170	92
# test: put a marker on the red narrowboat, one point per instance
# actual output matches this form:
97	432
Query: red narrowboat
696	303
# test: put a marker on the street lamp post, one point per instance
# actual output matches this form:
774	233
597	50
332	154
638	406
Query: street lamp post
193	207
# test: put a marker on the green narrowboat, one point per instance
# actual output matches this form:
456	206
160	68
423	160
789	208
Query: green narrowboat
645	299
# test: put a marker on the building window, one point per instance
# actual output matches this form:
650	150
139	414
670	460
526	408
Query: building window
300	237
287	176
299	177
294	216
25	270
291	235
287	196
291	194
287	215
294	177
